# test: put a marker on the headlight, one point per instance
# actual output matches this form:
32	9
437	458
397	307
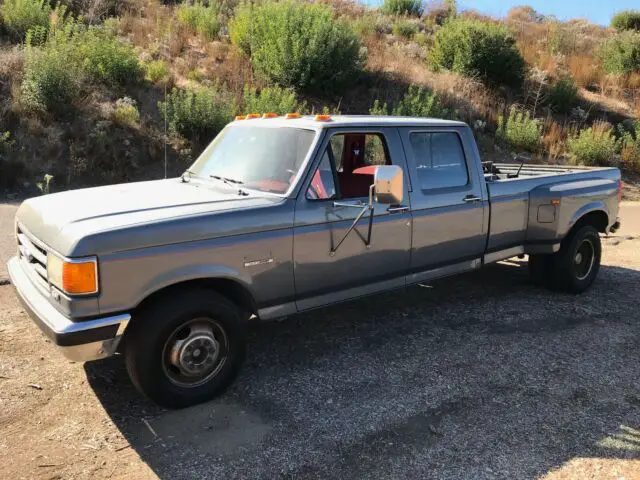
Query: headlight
73	276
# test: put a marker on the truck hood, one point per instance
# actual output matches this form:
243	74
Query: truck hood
61	220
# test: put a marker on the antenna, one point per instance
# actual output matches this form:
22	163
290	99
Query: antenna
166	107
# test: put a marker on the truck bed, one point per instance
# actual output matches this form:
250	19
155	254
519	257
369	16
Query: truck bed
532	212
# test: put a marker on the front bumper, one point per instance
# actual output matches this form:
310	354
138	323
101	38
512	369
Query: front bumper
80	341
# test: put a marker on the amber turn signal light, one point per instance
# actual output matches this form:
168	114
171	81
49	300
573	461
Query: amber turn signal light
79	278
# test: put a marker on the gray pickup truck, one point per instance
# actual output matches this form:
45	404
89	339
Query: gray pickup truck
282	215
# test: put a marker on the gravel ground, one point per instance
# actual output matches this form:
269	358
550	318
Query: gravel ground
478	376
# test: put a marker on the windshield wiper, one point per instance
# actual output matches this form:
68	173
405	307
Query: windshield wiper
228	181
232	182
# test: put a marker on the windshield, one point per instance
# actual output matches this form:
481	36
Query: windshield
260	158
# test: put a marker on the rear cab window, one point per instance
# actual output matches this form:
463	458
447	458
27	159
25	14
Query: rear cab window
439	160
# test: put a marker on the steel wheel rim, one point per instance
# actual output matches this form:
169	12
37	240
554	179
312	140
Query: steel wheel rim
195	352
584	258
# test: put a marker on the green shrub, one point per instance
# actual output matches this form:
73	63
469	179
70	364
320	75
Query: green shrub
405	28
621	53
595	145
157	71
52	74
298	45
368	25
563	95
626	20
201	18
197	113
519	131
106	59
20	16
475	48
126	113
402	7
417	102
271	99
60	61
630	147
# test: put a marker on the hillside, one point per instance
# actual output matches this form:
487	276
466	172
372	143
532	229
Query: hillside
88	87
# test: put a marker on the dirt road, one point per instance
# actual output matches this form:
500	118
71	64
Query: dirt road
479	376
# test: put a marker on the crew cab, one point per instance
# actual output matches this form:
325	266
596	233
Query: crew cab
283	214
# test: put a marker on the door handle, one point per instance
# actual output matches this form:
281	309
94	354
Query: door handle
399	209
471	199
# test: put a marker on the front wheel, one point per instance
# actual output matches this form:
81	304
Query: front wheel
185	348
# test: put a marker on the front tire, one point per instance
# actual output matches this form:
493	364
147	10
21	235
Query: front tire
185	348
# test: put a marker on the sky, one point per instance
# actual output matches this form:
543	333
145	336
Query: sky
597	11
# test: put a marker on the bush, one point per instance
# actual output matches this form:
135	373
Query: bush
52	74
201	18
271	99
621	53
626	20
106	59
405	28
594	145
197	113
630	147
368	25
157	71
519	131
564	95
298	45
402	7
20	16
474	48
71	55
417	102
126	113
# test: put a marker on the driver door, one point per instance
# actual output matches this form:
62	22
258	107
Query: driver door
322	275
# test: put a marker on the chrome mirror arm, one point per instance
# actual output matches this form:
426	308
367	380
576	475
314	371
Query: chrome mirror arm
370	208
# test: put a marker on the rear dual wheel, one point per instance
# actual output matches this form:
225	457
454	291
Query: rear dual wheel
572	269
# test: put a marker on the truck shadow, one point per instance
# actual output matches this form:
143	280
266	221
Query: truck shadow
475	374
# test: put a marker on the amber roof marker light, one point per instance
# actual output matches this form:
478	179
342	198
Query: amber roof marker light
269	115
292	115
322	118
241	117
251	116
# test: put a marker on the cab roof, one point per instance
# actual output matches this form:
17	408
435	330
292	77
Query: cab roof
309	121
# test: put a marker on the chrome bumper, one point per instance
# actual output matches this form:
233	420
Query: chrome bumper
80	341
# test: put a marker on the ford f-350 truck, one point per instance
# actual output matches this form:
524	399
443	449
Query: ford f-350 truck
280	215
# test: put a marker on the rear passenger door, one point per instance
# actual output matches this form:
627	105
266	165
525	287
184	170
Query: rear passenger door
448	203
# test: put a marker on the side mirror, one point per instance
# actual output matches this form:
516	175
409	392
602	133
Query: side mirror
389	185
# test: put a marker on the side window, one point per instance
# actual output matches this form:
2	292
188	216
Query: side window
351	152
439	159
322	186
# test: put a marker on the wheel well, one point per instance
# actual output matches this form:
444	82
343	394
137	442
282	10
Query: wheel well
231	289
597	219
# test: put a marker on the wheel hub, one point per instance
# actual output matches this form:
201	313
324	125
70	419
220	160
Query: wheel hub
584	259
195	352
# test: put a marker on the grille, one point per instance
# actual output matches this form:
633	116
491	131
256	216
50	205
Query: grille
33	255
